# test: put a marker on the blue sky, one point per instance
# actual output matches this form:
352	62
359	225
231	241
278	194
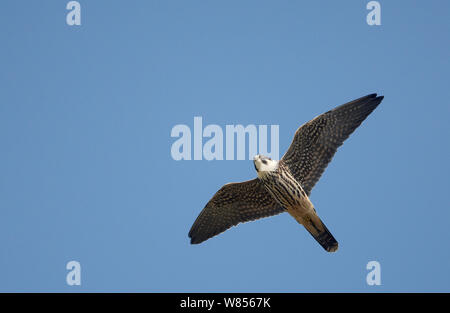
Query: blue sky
86	171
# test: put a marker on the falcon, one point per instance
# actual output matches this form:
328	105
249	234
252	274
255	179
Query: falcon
285	185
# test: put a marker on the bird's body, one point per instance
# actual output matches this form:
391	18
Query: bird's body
285	185
288	193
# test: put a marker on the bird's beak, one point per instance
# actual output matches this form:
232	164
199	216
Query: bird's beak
255	158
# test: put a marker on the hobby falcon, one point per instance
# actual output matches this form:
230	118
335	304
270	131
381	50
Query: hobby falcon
285	185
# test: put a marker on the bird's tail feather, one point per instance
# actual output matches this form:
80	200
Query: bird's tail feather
319	231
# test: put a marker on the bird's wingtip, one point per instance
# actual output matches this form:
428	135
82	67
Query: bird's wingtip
376	101
375	96
194	240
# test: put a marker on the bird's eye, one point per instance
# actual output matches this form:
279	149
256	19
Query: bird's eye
264	161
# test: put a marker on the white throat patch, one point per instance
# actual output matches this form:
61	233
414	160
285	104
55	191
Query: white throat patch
264	165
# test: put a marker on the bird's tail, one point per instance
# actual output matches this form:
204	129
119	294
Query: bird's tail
319	231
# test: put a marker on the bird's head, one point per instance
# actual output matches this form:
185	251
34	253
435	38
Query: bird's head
264	164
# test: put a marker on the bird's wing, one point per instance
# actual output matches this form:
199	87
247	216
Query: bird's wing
234	203
316	142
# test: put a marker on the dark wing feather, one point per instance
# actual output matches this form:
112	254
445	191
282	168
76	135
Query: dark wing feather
234	203
316	142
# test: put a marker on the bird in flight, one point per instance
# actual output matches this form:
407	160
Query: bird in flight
285	185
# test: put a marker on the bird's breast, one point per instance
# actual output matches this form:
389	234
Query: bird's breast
286	190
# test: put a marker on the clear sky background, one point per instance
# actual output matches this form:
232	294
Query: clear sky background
85	167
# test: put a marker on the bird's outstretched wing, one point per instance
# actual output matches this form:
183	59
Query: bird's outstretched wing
234	203
316	142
